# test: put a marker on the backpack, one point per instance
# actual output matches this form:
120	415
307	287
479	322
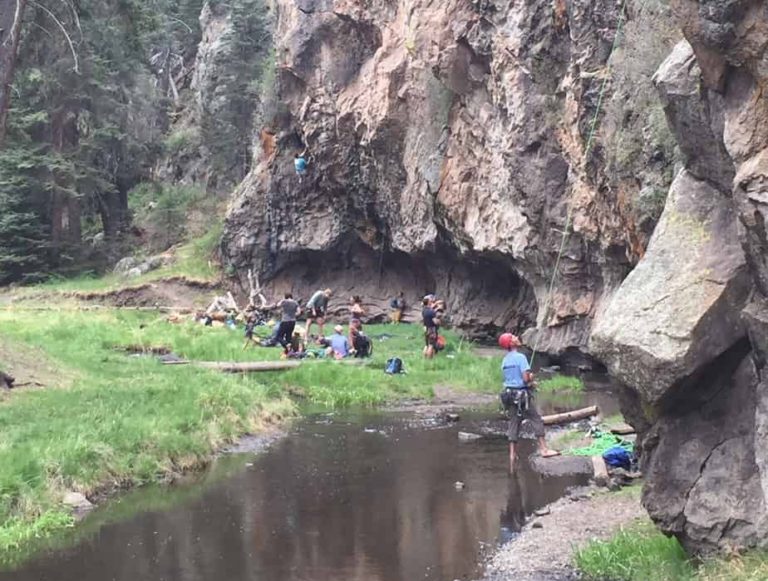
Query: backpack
363	346
394	366
618	457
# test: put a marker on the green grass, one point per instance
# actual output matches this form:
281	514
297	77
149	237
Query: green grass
328	382
636	553
192	260
124	421
128	420
16	533
561	383
641	553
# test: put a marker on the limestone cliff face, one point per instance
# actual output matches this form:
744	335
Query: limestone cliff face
688	329
447	141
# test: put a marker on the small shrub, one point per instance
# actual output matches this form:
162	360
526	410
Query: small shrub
636	553
561	383
181	139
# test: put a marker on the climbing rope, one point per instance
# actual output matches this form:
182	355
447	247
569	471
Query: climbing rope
587	151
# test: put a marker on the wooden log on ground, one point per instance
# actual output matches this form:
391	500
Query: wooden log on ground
249	366
601	471
572	416
257	366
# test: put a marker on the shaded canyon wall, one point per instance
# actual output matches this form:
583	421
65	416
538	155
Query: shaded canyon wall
447	140
688	329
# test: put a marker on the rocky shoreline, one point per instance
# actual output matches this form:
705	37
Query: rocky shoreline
544	550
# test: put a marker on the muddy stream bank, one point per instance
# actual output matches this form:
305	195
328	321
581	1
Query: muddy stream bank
350	496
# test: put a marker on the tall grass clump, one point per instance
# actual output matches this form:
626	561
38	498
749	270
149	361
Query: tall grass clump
124	421
561	383
637	553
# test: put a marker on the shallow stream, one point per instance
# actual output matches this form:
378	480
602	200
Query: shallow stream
349	497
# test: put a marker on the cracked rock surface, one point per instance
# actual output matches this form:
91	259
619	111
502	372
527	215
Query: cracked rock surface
447	142
687	331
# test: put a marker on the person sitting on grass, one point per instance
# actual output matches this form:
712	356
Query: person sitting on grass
361	345
518	399
397	304
339	343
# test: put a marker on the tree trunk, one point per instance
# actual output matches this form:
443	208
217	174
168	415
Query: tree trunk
11	16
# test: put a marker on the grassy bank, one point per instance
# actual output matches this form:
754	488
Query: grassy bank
120	419
191	260
123	421
641	553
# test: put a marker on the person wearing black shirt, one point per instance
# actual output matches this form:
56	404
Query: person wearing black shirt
431	323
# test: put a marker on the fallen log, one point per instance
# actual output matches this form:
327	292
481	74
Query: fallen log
247	367
257	366
571	416
601	471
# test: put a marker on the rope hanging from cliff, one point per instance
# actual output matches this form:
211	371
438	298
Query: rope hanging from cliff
587	151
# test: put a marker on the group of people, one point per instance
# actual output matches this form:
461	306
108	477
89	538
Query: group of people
297	344
518	380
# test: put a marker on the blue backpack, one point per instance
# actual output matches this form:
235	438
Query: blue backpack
394	366
618	457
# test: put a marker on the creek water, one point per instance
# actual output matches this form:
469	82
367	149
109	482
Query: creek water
352	497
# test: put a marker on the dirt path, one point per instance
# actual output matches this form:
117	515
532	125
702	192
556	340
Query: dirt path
545	548
31	367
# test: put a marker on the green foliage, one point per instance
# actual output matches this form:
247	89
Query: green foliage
245	63
641	552
561	383
86	123
22	239
15	532
163	210
636	553
181	140
124	420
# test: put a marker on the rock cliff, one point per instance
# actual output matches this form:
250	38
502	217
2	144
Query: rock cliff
687	330
447	142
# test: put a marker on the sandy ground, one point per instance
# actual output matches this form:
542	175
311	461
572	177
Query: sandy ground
545	553
31	367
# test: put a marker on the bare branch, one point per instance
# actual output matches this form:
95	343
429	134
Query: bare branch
15	26
76	16
76	67
187	26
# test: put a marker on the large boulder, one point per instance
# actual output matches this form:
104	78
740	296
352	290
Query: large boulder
703	478
677	332
679	308
695	117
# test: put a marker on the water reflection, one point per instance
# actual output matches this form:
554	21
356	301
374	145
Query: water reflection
371	499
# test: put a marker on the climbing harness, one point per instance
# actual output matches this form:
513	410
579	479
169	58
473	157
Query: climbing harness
587	150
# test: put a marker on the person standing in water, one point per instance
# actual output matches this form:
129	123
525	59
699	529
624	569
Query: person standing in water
317	307
518	399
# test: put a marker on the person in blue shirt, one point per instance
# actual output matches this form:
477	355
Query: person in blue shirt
518	382
339	343
300	164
